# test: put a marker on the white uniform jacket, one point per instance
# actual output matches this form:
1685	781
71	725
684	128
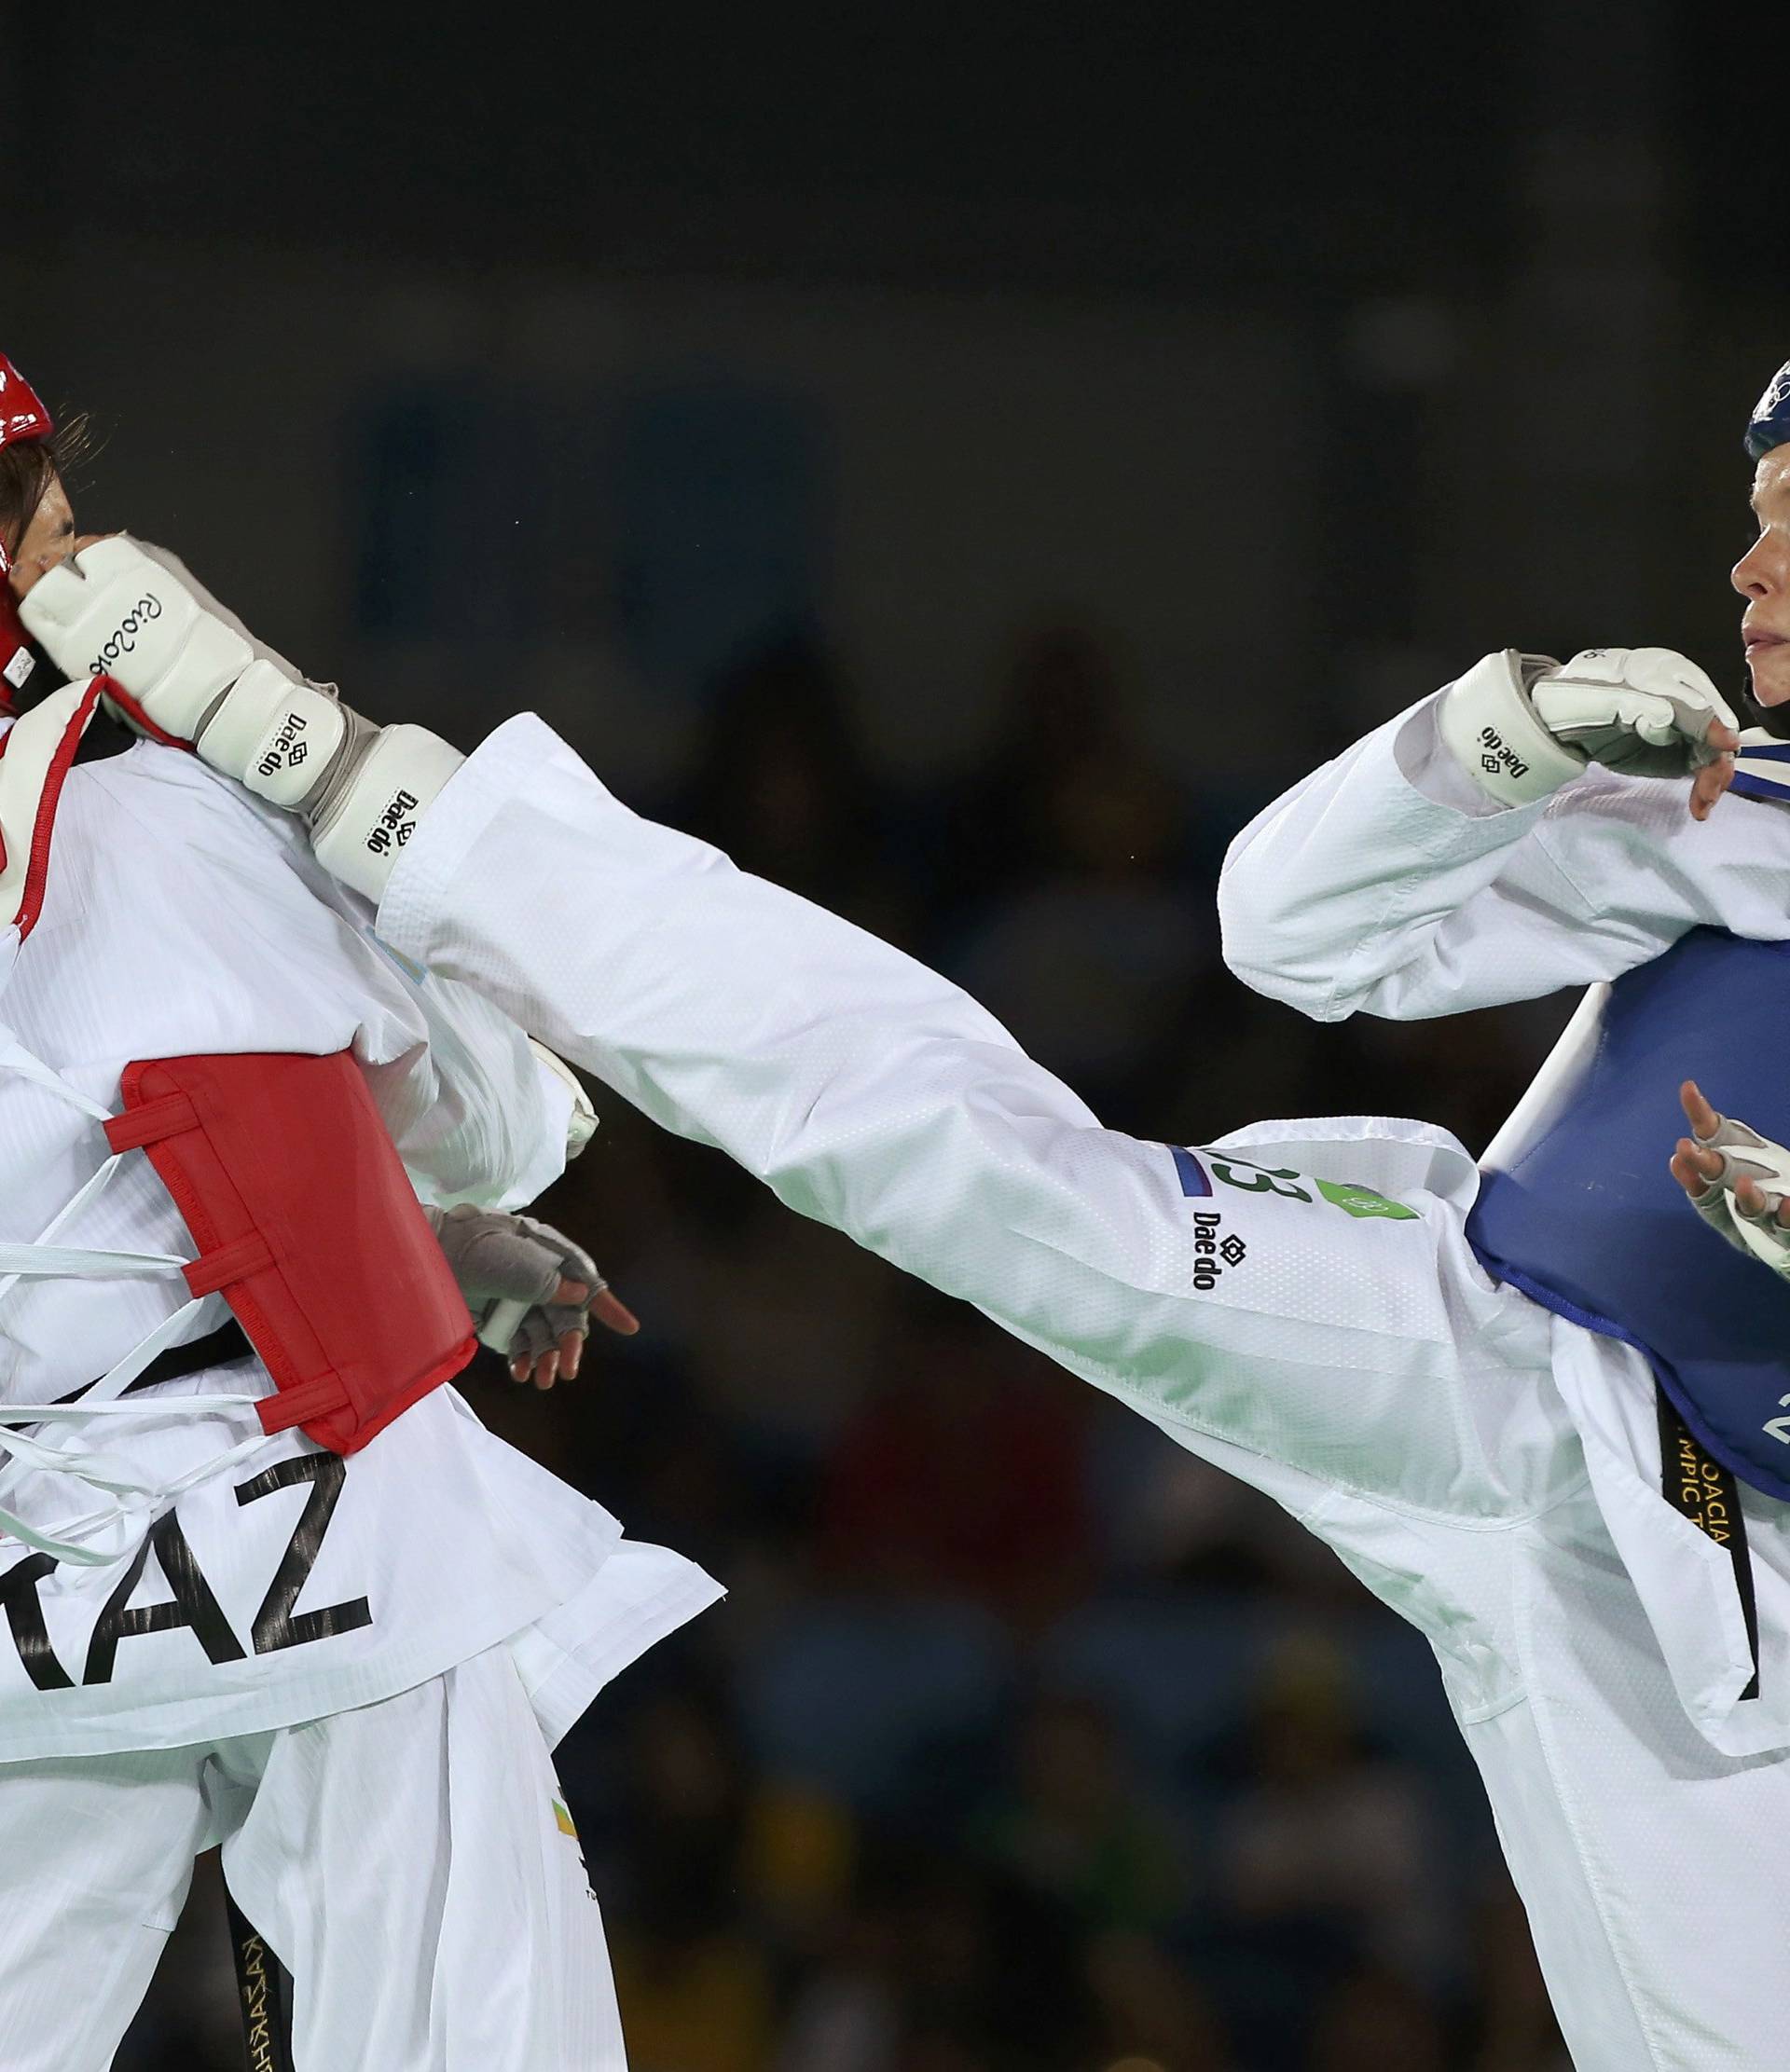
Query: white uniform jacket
181	916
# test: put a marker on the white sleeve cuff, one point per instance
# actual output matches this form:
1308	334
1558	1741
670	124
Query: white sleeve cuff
1426	766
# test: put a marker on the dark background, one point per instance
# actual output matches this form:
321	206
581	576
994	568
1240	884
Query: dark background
964	459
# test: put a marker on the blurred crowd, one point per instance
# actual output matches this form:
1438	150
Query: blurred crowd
1024	1742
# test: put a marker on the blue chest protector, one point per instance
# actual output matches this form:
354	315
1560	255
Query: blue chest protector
1588	1222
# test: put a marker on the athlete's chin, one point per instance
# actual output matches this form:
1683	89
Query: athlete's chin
1770	668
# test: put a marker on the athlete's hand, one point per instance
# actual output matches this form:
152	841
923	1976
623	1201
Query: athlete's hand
1738	1181
1714	778
563	1358
1645	711
546	1286
1522	726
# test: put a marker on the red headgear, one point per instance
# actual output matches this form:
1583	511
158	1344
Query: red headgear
23	417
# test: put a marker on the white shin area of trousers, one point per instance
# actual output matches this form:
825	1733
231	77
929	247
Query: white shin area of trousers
135	1502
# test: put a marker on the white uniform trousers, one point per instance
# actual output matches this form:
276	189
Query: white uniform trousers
408	1862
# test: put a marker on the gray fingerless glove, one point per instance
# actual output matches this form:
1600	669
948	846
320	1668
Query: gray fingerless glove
502	1261
1746	1155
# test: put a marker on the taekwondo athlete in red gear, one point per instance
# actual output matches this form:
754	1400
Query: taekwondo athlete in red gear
265	1580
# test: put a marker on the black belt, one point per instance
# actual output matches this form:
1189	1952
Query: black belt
1709	1495
229	1342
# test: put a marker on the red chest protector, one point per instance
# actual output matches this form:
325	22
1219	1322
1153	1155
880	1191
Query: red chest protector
280	1165
307	1224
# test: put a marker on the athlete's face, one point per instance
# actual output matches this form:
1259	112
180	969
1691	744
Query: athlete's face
48	538
1762	576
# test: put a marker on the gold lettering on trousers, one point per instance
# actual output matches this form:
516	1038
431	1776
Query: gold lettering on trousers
257	1989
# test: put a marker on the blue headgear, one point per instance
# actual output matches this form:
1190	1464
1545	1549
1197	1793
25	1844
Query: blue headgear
1769	424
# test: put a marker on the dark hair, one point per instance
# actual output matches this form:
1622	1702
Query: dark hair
26	470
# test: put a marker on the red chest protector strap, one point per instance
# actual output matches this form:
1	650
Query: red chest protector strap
308	1223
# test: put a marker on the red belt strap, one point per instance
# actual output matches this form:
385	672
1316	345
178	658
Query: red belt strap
306	1220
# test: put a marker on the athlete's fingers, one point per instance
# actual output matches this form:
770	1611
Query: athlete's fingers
1710	782
563	1359
614	1315
1703	1120
1689	1173
1752	1201
607	1307
1721	735
1702	1164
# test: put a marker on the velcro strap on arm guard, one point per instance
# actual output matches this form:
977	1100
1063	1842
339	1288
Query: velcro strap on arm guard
276	734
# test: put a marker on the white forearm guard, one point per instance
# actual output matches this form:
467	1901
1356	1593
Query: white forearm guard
370	805
1493	732
193	674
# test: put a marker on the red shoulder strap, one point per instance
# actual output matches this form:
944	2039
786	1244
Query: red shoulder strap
36	753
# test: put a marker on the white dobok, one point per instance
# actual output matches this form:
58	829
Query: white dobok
180	916
1297	1304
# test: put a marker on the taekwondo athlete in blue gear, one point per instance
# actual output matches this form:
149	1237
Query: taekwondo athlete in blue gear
1588	1221
1578	1209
